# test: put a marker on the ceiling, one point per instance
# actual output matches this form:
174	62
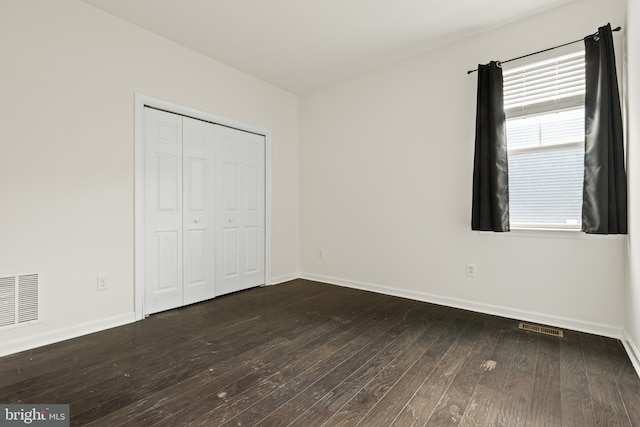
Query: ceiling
301	45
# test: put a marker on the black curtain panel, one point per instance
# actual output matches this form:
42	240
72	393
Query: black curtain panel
490	204
604	202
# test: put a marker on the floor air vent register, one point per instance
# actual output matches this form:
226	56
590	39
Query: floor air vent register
541	329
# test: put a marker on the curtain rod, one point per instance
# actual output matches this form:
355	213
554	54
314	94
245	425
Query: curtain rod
545	50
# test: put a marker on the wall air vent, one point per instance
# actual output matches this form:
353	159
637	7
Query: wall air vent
541	329
19	300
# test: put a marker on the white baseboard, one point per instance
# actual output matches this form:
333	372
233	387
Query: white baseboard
632	351
285	278
38	340
560	322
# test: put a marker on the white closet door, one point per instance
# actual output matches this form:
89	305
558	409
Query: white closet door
162	211
240	229
198	210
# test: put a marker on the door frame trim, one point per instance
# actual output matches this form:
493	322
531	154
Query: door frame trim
142	101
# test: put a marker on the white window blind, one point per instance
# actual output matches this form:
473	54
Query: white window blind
544	106
549	85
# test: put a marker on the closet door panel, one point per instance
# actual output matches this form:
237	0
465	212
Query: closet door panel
199	210
162	211
240	166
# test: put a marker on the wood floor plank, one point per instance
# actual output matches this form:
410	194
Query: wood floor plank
306	397
157	331
575	398
386	409
237	395
308	354
455	400
214	395
608	407
516	396
271	384
109	386
282	388
625	376
324	407
545	408
160	360
288	389
175	364
484	403
422	404
358	406
172	399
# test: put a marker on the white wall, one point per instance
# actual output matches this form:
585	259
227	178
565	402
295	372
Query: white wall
632	296
67	84
386	171
378	155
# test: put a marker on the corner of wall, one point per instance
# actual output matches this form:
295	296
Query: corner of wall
632	350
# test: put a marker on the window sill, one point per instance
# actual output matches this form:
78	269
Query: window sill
556	233
546	229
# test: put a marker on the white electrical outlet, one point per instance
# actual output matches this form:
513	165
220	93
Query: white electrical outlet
321	253
471	270
102	283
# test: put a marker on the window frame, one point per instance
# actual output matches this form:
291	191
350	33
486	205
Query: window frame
551	107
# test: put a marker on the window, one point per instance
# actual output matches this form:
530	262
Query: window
544	107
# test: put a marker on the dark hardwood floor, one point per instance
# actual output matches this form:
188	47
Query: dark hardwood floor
311	354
